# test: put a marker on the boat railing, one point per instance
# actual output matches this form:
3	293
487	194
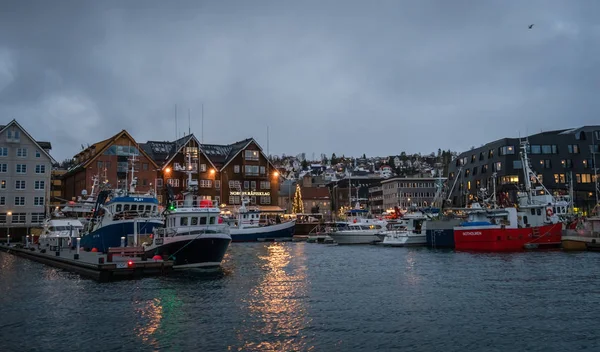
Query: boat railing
200	203
133	214
197	229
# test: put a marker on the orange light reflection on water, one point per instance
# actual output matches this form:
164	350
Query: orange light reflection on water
152	313
278	301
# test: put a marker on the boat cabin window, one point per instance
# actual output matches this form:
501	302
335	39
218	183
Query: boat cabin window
212	220
539	211
118	208
183	221
532	211
202	220
525	220
125	207
194	221
148	208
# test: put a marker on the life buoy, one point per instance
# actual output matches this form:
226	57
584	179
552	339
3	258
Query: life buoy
251	222
549	212
355	221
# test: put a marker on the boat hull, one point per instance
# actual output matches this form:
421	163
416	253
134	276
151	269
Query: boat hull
110	235
496	239
440	234
574	245
405	241
193	251
341	237
277	232
440	238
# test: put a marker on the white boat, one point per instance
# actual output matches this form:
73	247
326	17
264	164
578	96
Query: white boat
193	236
357	233
411	233
60	233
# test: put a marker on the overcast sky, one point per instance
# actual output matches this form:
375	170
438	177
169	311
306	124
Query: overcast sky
350	77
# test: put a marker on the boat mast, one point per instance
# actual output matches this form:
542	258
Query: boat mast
597	188
133	179
526	170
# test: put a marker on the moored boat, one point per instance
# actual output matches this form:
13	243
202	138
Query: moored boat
193	236
583	234
250	225
119	213
532	224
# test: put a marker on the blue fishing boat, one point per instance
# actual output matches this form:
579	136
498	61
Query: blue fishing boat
116	215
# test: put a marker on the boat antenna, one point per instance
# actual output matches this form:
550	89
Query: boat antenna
176	130
189	122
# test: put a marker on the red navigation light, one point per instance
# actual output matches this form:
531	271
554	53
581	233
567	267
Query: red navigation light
130	263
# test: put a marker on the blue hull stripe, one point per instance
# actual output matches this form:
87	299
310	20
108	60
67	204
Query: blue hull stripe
110	235
253	237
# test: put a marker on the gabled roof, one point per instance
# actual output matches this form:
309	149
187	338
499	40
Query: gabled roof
101	146
44	146
237	147
164	152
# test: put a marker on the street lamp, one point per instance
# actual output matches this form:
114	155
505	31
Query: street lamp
8	215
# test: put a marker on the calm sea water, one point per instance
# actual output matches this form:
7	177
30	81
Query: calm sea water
300	297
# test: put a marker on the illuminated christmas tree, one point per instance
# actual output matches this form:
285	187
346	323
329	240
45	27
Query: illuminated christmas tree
297	204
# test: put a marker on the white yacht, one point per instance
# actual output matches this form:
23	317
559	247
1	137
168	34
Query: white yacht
59	233
358	229
411	233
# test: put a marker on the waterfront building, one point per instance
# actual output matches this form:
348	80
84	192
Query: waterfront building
314	197
556	156
224	172
25	166
404	192
110	160
376	198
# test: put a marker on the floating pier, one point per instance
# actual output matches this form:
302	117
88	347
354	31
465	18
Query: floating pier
93	265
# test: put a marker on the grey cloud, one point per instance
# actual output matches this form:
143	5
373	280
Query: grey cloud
338	76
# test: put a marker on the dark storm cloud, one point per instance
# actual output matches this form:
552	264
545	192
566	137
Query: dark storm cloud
345	76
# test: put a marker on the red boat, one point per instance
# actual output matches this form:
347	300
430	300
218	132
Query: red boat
501	234
536	222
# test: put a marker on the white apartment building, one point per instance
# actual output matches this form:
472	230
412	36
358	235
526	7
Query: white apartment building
25	169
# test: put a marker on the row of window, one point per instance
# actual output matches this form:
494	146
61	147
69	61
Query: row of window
517	164
22	168
21	185
21	218
410	195
531	149
20	201
514	179
250	184
237	200
396	185
21	152
250	170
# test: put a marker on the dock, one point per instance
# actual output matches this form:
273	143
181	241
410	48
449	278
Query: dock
93	265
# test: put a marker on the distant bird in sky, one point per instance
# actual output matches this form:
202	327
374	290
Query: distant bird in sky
530	26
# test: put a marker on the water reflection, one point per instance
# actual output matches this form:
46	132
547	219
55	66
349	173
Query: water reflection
277	304
151	313
159	318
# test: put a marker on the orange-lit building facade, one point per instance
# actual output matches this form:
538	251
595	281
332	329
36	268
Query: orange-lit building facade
224	172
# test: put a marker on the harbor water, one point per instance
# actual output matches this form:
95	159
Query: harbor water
301	297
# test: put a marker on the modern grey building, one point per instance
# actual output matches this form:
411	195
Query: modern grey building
408	191
555	156
25	169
